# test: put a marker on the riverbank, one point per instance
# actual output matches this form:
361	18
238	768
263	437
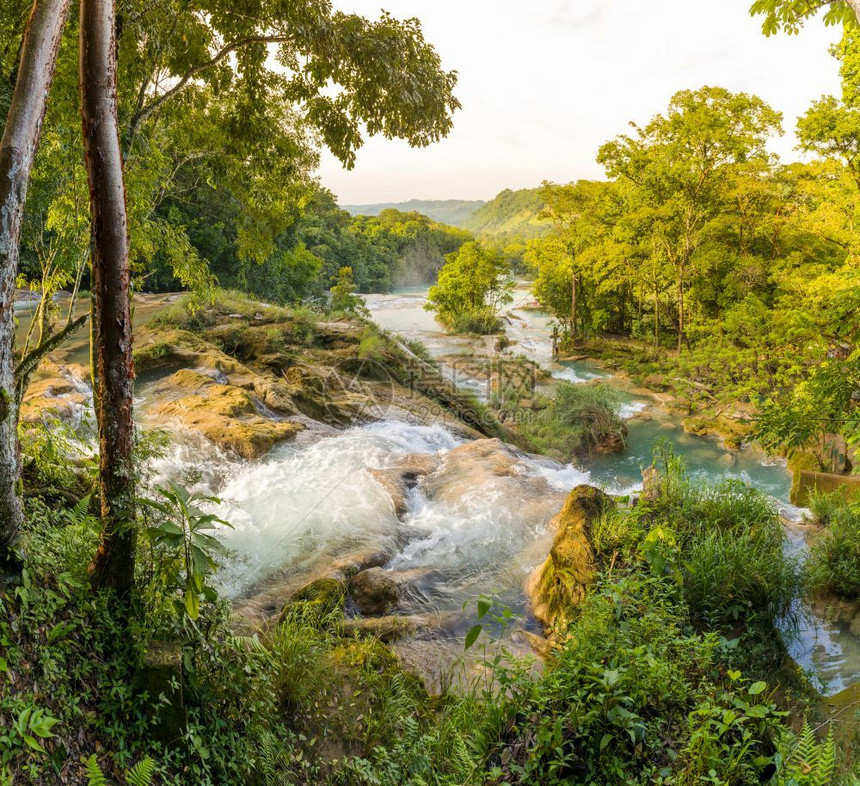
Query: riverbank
374	528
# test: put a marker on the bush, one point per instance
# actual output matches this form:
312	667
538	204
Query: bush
730	540
577	421
634	697
482	322
833	564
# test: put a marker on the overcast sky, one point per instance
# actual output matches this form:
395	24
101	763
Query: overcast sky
544	83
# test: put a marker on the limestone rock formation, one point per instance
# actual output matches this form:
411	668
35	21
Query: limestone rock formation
560	583
374	591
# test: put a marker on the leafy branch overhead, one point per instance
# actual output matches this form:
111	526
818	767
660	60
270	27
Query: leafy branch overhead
341	70
789	15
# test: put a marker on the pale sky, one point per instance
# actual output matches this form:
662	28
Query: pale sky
544	83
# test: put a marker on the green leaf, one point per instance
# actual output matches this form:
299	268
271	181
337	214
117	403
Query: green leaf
605	740
756	688
192	602
472	635
34	744
484	605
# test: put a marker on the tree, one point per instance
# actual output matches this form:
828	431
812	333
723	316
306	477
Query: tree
17	151
573	210
343	297
113	566
789	15
679	161
471	287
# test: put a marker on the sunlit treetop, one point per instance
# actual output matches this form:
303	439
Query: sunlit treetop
789	16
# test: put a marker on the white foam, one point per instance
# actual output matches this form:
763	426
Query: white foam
628	409
577	376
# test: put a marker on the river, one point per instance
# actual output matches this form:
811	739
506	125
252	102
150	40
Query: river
316	500
819	640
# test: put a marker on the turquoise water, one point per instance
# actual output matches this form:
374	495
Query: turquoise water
820	640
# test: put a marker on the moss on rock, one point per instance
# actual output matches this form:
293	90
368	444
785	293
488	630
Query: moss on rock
560	583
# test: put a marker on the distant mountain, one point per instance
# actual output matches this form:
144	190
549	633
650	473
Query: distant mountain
511	215
454	212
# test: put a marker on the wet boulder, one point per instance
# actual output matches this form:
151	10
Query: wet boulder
224	414
560	583
404	476
612	441
374	592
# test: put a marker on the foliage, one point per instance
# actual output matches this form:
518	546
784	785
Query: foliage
181	532
576	421
141	774
833	564
510	214
789	15
808	416
729	541
633	697
343	297
472	285
454	212
808	761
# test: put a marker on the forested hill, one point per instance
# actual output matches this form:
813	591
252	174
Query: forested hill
454	212
512	214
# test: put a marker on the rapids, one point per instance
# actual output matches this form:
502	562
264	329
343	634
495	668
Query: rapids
470	532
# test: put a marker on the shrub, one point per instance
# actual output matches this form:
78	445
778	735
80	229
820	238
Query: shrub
634	697
481	322
577	421
833	564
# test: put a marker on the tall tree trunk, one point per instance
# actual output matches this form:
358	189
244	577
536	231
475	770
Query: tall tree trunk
680	312
573	308
17	150
113	566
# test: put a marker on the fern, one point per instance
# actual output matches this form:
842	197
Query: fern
810	762
275	760
142	772
95	776
139	775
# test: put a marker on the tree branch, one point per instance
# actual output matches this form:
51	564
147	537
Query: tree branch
30	361
147	110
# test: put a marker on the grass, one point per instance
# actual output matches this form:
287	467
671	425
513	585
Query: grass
577	421
833	564
730	540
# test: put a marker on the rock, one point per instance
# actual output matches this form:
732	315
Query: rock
386	629
539	644
55	393
650	484
560	583
612	442
360	561
843	711
224	414
404	476
322	595
374	591
471	465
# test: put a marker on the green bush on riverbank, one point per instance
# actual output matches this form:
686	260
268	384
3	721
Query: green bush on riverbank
578	420
834	554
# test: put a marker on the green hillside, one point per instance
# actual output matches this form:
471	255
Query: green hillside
512	214
454	212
